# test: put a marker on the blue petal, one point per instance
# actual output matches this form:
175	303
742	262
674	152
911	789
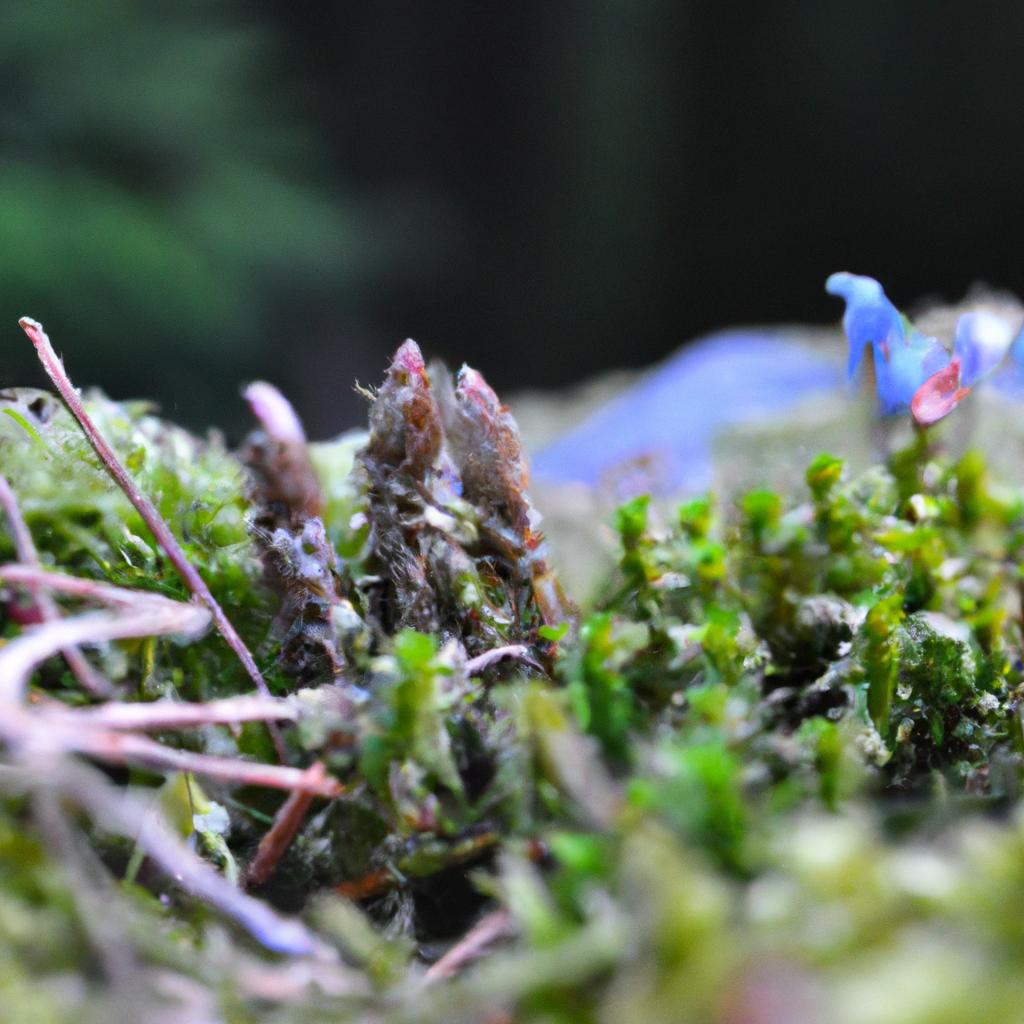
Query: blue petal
1010	379
871	319
1017	349
982	340
907	367
667	423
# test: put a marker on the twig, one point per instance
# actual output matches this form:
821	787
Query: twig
125	815
24	546
54	368
37	738
127	748
152	615
291	982
488	930
80	586
279	836
484	661
172	714
88	678
366	886
62	731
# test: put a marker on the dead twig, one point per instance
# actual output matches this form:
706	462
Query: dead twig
489	929
41	740
373	883
172	714
279	836
80	586
123	814
148	615
54	368
88	678
64	730
484	661
60	731
381	880
126	748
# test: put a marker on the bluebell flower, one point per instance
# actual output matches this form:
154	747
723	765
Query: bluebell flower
904	358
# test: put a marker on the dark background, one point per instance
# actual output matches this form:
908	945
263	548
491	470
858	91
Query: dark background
194	195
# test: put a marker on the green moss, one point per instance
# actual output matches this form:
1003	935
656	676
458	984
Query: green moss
783	750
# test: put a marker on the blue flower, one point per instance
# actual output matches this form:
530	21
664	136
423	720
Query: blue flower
911	370
904	358
982	341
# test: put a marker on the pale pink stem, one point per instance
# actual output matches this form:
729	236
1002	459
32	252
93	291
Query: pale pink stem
127	748
88	678
63	731
488	930
80	586
21	655
24	547
157	526
484	661
172	714
279	836
54	368
125	815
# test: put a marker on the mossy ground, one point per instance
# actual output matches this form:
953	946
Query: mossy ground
774	775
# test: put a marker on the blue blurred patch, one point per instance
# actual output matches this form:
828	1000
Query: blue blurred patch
662	428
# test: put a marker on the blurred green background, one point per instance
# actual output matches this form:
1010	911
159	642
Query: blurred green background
196	194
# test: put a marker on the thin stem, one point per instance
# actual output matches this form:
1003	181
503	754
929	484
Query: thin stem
54	368
89	590
172	714
153	616
65	731
88	678
127	748
126	816
489	929
91	889
484	661
381	880
23	544
275	842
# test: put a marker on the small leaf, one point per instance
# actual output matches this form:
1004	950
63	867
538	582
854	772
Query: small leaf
554	633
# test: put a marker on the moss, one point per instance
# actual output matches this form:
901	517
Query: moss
782	753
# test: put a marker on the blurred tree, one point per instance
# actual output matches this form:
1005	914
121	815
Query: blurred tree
154	184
